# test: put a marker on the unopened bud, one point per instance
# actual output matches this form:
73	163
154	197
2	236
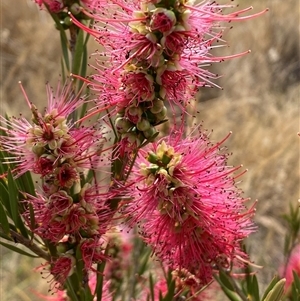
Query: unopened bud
150	132
162	114
68	21
122	125
157	106
143	125
75	9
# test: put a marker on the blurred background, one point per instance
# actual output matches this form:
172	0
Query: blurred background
259	103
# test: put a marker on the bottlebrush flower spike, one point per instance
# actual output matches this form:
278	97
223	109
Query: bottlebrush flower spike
61	269
58	214
51	145
155	51
188	206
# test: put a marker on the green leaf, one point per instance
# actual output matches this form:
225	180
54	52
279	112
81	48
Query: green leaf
151	287
227	287
3	220
32	219
70	288
14	205
296	280
296	287
100	269
171	290
77	59
63	72
64	47
253	289
15	249
144	262
3	155
63	39
13	197
84	65
87	293
226	281
88	35
79	264
233	296
4	197
26	184
270	286
295	295
276	292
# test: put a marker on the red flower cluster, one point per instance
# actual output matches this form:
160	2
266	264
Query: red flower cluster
187	205
60	151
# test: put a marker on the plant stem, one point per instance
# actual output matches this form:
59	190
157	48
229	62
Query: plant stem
30	245
239	291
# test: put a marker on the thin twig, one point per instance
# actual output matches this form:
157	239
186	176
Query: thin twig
18	238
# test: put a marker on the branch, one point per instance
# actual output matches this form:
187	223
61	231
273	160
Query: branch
18	238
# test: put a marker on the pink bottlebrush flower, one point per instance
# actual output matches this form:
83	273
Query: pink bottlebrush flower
92	251
137	85
293	264
27	141
57	215
188	206
43	165
48	214
162	20
185	281
95	200
173	84
128	144
51	145
61	269
66	176
152	34
59	203
155	51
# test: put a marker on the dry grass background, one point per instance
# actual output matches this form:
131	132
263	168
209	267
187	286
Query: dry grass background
259	103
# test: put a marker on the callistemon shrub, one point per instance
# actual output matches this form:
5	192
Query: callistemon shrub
187	205
178	191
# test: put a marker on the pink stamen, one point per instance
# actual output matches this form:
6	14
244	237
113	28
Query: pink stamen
108	20
25	95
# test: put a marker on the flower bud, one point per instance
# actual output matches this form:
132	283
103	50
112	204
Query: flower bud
75	9
162	20
68	21
62	247
162	114
143	125
152	157
134	114
122	125
150	132
157	106
38	149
